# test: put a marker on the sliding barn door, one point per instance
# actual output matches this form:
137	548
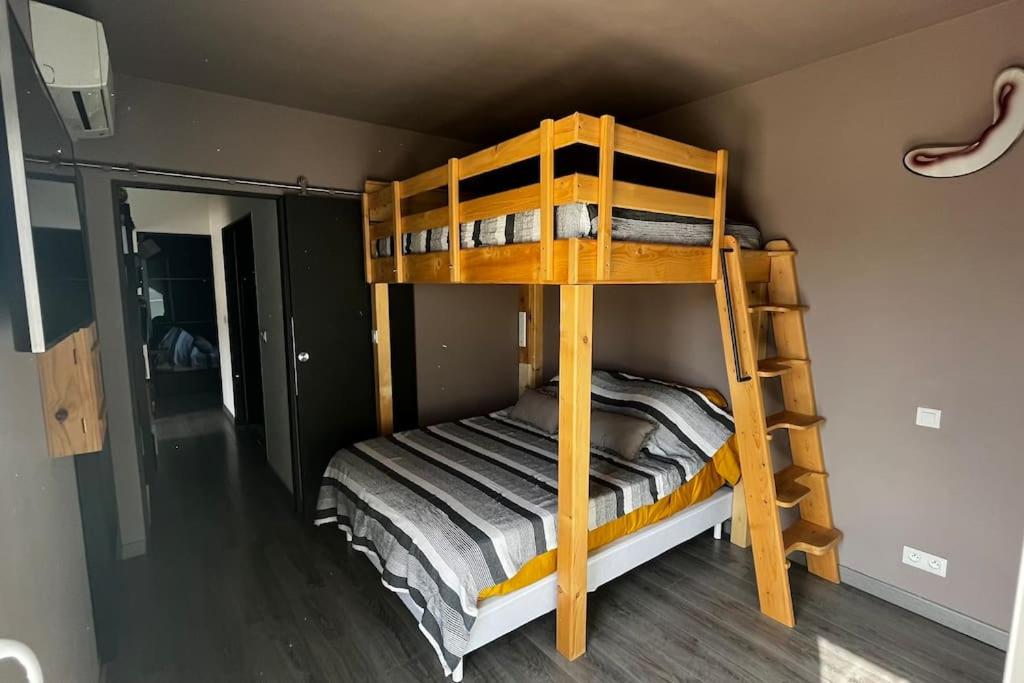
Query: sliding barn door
327	304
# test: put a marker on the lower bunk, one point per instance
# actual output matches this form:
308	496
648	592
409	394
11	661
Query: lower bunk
501	615
460	519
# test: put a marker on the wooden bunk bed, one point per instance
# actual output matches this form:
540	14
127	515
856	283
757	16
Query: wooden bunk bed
751	286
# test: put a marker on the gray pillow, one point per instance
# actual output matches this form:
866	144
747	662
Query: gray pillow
537	409
623	435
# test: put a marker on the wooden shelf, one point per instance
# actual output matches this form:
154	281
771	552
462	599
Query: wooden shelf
774	367
787	419
777	308
74	407
789	490
810	538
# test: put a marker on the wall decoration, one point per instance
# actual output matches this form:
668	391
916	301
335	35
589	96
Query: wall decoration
1007	126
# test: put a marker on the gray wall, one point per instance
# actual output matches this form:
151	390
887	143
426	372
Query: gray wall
44	588
170	126
914	287
466	350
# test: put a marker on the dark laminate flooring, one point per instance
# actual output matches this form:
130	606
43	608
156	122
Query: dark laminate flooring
236	588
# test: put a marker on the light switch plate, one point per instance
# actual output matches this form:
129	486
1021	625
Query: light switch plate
929	417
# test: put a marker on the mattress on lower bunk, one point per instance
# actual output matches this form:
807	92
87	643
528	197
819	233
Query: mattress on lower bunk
574	220
460	511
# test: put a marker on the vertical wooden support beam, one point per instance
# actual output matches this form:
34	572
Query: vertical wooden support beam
547	199
366	238
454	223
718	228
605	178
381	314
575	357
396	249
798	392
752	441
531	336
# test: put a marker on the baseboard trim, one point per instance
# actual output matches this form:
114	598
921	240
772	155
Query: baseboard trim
133	549
911	602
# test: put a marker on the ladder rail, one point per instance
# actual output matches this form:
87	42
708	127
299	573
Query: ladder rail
752	440
803	485
736	364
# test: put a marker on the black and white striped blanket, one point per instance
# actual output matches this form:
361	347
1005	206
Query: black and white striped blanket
574	220
452	509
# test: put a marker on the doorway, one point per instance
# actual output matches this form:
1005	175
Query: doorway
243	324
204	310
182	345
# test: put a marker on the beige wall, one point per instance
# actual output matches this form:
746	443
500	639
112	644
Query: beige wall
169	126
915	293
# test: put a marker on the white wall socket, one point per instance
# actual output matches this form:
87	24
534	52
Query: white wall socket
929	417
919	559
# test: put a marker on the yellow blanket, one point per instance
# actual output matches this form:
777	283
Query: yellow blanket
724	467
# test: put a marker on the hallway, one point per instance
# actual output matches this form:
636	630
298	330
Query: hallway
236	588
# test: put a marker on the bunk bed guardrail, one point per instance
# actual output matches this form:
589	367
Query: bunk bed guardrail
393	210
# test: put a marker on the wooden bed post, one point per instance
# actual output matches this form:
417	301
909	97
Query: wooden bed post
575	357
381	314
531	336
397	250
718	228
454	223
547	198
605	183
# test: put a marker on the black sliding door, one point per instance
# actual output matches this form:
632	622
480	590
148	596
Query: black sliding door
327	304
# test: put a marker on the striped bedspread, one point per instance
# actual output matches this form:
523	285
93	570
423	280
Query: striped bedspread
574	220
455	508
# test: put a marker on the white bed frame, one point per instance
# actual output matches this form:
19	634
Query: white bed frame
506	613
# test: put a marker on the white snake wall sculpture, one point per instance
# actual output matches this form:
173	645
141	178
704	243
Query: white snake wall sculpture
994	141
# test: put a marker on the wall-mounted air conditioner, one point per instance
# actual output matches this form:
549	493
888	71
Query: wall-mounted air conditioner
71	51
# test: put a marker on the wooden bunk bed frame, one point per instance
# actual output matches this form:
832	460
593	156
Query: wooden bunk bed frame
751	286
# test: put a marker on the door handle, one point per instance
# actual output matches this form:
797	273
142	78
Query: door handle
303	356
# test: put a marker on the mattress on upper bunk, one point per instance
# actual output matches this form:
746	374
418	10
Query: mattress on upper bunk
574	220
463	510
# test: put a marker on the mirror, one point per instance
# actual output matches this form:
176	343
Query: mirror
44	248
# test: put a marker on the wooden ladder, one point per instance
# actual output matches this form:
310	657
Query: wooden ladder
744	311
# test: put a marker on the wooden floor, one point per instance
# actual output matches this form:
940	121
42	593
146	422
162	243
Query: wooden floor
236	588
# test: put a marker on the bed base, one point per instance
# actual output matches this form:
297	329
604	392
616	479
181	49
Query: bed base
503	614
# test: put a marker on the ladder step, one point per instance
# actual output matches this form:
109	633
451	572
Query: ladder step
810	538
788	489
787	419
774	367
777	308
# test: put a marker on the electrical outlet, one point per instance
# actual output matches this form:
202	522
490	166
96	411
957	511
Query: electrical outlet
919	559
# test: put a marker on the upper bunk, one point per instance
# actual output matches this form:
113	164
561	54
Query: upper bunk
541	231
